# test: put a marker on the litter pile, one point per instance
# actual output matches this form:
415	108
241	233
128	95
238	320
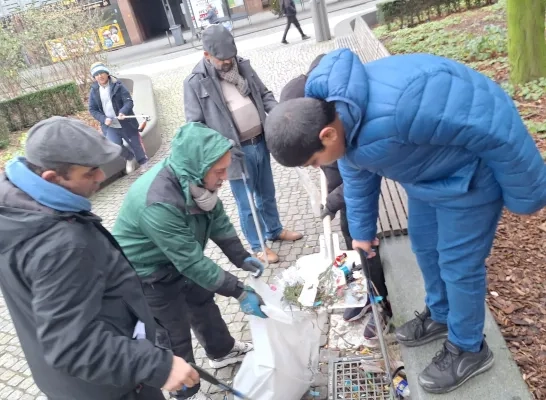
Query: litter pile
312	284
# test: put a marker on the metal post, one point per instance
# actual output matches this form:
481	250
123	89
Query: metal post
175	29
320	20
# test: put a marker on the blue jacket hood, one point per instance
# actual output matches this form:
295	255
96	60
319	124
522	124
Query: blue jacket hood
341	77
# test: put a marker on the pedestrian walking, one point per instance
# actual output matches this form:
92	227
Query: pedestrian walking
75	300
456	143
164	225
288	8
226	94
109	103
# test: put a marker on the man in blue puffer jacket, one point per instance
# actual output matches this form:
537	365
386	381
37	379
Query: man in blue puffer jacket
455	141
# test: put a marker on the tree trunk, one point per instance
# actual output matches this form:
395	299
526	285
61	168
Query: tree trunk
526	43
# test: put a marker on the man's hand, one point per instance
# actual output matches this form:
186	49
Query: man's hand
121	116
325	212
182	374
367	246
253	265
250	303
108	121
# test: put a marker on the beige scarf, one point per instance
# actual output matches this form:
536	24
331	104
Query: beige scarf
205	199
233	76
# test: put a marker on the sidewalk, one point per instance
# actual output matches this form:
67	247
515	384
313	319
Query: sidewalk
258	23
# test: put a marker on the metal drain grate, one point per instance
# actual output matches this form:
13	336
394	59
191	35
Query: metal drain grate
348	381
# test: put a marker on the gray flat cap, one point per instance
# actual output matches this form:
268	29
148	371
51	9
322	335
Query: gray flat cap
60	140
219	42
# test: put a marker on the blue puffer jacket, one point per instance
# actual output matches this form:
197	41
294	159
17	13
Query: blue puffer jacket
448	134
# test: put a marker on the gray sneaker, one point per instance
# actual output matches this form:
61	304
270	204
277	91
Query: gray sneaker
420	330
452	367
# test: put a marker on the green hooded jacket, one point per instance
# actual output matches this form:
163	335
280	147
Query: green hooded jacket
159	225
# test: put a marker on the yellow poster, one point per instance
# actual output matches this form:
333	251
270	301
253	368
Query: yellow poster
110	36
62	49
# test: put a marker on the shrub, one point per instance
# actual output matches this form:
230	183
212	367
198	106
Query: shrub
4	133
407	13
26	110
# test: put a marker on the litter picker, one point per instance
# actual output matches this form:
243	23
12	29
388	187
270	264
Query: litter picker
375	299
256	220
216	382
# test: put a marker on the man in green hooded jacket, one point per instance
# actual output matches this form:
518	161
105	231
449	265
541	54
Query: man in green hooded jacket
164	224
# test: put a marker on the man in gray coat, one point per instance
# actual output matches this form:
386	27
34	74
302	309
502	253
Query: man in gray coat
225	93
75	300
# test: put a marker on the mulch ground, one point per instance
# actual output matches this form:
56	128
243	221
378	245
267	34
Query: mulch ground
517	265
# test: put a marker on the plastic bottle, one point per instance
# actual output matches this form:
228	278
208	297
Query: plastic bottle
401	386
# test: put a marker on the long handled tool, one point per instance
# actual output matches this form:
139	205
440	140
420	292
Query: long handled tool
255	217
216	382
144	116
374	300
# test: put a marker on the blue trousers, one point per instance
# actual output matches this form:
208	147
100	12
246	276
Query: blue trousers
133	139
260	182
451	246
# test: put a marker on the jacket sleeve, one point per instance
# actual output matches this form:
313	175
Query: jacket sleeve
362	200
192	106
94	109
335	200
126	99
267	95
480	117
224	235
166	226
67	294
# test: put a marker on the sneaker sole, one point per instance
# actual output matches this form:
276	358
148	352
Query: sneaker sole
424	340
488	363
226	362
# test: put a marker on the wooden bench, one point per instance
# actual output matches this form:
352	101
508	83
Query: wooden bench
393	215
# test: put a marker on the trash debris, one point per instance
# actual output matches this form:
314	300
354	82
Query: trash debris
401	386
340	284
348	381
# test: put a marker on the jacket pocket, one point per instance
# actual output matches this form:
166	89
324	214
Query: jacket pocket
456	185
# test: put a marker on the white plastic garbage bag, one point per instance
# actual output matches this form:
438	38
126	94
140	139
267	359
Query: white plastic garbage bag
286	350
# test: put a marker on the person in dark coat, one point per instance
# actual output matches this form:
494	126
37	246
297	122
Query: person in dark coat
288	8
75	300
335	202
109	103
225	93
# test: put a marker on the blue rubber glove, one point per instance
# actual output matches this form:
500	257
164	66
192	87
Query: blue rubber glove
252	264
250	302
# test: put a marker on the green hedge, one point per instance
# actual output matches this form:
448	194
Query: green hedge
4	133
407	13
26	110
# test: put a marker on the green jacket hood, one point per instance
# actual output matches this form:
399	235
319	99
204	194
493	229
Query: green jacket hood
194	150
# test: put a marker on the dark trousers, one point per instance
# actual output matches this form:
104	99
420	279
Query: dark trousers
179	304
291	19
144	393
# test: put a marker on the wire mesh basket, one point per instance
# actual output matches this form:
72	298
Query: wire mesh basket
349	381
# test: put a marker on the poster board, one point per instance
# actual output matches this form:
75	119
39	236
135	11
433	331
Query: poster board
200	9
62	49
110	36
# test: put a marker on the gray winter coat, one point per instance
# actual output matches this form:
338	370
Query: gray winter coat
204	102
74	300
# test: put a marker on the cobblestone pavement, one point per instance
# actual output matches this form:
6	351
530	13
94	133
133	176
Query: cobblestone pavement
275	64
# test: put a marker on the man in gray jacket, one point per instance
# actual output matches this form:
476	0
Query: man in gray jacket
225	93
75	300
